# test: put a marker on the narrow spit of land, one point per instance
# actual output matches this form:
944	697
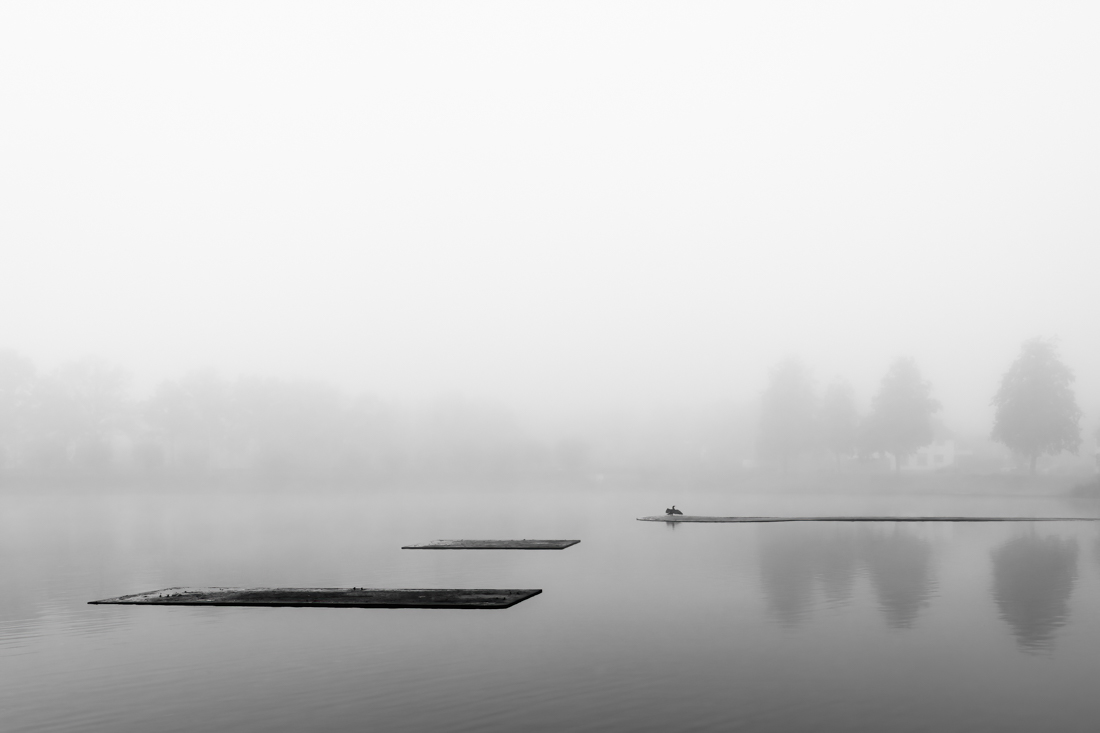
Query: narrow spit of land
493	545
742	520
330	597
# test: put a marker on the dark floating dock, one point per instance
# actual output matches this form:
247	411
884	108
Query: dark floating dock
329	597
742	520
493	545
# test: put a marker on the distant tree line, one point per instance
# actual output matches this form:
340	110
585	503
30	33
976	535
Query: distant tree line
80	420
1036	412
794	421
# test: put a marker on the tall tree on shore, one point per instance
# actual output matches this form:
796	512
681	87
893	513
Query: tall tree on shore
191	416
1037	412
17	378
901	413
787	425
839	419
76	408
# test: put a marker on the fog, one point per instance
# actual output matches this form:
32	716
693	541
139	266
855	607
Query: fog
565	214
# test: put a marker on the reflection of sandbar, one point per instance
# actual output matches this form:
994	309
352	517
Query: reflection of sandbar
690	518
493	545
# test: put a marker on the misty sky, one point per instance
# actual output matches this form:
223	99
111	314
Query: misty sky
553	203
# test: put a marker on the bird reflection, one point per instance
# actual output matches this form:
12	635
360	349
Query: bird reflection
1033	578
796	563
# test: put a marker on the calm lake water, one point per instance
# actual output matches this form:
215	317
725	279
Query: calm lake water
641	627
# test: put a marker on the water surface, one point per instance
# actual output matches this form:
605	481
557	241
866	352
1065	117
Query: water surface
643	626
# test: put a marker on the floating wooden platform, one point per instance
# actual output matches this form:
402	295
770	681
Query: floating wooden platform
493	545
689	518
330	597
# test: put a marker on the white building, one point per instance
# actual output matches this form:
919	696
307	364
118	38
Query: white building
938	454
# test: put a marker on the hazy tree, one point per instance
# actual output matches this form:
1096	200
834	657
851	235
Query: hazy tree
369	439
76	408
294	426
901	413
572	456
275	428
1037	412
191	415
17	378
787	413
838	419
462	437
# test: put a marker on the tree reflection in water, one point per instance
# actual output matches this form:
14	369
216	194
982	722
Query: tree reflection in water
900	567
796	562
787	572
1033	578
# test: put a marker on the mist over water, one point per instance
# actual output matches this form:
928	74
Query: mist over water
557	208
